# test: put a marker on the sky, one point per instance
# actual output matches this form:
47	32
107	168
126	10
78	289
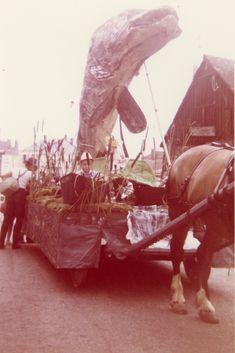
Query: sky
43	52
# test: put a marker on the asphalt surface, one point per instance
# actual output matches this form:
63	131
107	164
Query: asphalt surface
122	308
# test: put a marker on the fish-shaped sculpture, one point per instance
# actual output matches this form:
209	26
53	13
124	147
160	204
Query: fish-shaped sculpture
118	49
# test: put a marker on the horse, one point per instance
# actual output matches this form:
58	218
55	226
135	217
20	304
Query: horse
195	175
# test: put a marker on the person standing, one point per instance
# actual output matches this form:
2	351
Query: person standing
15	204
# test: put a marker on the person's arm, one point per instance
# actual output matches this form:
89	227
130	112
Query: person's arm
6	175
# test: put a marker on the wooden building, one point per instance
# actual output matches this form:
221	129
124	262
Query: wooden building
206	113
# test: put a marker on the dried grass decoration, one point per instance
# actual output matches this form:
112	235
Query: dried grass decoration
90	195
47	196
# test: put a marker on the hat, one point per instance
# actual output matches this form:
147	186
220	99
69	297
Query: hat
86	156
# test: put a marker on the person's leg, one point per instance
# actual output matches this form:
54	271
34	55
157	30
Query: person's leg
19	209
21	237
7	221
17	231
9	233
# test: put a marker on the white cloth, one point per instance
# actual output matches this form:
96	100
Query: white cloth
23	175
127	190
145	220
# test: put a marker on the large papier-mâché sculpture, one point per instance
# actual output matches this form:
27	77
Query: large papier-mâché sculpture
118	49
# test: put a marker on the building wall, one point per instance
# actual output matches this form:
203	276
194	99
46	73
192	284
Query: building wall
208	102
11	161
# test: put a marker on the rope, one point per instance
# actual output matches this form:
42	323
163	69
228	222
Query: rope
159	127
142	149
122	138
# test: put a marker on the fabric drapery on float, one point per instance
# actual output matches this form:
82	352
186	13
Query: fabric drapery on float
71	241
114	232
74	241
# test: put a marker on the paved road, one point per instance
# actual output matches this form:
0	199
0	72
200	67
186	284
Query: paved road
123	308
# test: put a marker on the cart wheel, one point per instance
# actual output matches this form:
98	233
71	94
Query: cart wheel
78	276
190	267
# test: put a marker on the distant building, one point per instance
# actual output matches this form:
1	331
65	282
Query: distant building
7	148
9	156
155	160
206	113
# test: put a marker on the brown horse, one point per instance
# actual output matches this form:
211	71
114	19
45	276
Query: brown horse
195	175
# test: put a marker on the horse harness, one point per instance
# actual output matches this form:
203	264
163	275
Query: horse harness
227	172
228	169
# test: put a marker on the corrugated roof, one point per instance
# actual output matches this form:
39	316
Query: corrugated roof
224	67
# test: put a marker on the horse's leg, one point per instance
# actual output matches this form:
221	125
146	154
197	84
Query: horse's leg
177	303
206	310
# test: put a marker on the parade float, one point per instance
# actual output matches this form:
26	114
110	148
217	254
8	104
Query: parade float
77	222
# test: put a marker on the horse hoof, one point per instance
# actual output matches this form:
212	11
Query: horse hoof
178	308
209	317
